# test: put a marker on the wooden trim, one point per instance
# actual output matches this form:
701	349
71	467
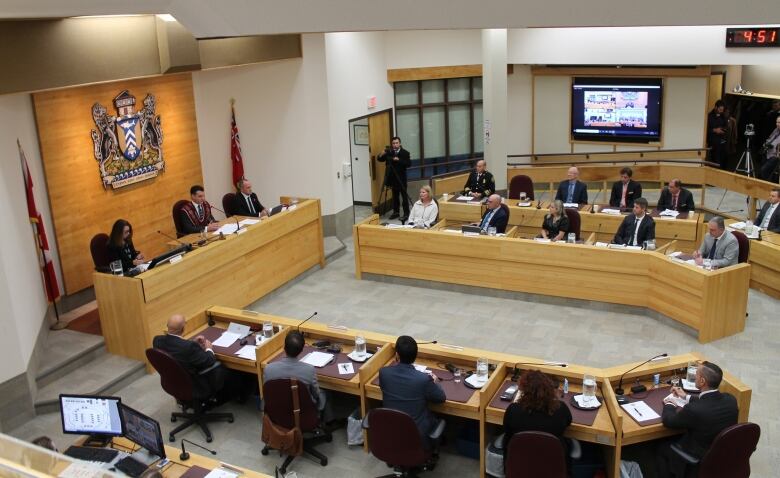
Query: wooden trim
433	73
697	71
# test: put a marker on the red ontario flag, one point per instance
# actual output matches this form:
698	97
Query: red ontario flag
49	277
235	148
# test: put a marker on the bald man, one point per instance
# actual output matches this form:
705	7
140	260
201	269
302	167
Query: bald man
572	190
195	356
495	215
480	183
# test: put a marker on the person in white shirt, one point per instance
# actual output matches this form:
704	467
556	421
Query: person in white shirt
425	211
769	217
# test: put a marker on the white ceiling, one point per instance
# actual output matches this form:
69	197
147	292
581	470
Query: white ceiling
219	18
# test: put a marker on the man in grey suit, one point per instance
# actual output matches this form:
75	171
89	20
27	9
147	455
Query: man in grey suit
291	367
720	246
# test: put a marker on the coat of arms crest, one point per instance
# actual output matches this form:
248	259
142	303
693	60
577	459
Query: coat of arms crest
127	147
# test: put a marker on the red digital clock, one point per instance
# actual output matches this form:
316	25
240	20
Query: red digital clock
753	37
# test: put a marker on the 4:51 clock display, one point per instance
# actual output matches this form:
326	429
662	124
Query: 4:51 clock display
753	37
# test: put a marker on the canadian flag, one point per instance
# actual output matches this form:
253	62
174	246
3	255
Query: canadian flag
49	277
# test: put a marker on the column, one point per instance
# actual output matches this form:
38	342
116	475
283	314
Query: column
494	101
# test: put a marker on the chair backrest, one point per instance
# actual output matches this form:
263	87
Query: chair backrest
278	404
174	378
744	246
534	454
228	201
394	438
574	221
729	454
521	183
506	210
98	247
177	217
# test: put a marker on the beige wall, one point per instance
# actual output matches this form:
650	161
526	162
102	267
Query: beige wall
762	79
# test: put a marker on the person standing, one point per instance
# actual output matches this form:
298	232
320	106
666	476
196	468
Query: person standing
397	160
717	125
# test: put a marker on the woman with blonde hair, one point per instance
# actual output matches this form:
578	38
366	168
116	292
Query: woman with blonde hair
425	210
556	223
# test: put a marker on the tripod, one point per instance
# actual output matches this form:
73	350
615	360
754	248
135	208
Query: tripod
386	185
747	158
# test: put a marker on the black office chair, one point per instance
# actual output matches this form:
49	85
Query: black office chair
729	454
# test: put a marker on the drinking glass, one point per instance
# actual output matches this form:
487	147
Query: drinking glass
522	196
650	245
491	231
748	227
588	386
360	346
456	375
596	208
675	381
691	372
116	268
571	238
268	330
482	369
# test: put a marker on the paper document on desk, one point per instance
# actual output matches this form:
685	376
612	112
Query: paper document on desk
456	231
81	470
669	212
541	239
524	204
226	339
317	359
346	368
226	229
240	329
222	473
247	352
601	244
394	226
571	205
675	400
465	198
420	368
640	412
616	212
249	222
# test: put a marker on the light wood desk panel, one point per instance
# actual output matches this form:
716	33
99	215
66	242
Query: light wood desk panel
765	261
236	271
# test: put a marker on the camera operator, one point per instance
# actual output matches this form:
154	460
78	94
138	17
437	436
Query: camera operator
397	160
717	125
770	152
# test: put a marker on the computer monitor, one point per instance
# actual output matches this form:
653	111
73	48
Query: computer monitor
276	210
166	256
91	415
142	430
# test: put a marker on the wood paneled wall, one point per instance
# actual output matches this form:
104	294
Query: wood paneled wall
80	206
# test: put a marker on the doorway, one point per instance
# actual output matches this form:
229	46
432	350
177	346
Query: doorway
368	136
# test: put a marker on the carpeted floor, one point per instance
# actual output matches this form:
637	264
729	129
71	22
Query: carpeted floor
88	323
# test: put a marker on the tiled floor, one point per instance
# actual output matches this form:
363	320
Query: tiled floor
598	336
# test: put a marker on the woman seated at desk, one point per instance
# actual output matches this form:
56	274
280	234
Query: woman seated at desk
556	224
120	246
425	211
538	409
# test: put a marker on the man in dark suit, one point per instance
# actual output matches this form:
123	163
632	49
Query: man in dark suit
636	228
408	390
196	356
625	191
495	215
572	190
196	215
702	418
676	198
480	182
246	202
769	217
397	159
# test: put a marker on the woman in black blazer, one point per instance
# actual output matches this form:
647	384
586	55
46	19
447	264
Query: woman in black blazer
120	246
556	224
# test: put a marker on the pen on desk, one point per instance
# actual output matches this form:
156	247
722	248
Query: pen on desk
230	467
637	411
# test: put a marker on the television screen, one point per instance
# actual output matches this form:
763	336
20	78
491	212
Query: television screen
616	109
142	430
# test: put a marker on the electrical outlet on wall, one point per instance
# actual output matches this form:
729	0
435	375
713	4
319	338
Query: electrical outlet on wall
346	169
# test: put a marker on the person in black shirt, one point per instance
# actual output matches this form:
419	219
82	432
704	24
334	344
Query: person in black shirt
120	246
538	409
556	224
397	160
480	183
717	124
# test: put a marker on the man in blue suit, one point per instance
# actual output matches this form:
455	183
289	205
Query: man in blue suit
495	215
572	190
408	390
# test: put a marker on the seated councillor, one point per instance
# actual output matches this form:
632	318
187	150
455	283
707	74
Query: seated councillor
769	216
625	191
425	211
702	418
538	409
246	202
636	228
408	390
556	223
572	190
196	214
676	198
120	246
480	183
495	215
291	367
196	356
719	245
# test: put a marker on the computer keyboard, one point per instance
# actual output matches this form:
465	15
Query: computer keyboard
87	453
130	466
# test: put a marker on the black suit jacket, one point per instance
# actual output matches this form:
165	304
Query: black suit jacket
499	219
485	186
242	208
399	167
702	418
774	221
684	202
626	230
580	192
202	366
634	191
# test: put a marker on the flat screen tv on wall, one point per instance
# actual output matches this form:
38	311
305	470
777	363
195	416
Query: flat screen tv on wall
616	110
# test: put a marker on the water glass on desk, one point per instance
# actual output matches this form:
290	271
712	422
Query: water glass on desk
116	268
482	369
588	386
571	238
522	195
491	231
691	371
649	245
360	346
268	330
456	375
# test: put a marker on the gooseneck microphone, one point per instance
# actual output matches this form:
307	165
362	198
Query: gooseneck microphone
596	196
238	224
619	389
428	343
539	201
307	319
184	455
516	370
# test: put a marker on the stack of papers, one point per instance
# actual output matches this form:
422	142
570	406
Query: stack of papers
318	359
601	244
394	226
571	204
226	339
465	198
616	246
524	204
457	231
674	399
247	352
640	412
669	212
611	211
420	368
541	239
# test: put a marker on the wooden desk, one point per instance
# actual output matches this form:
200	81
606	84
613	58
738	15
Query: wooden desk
764	260
712	302
236	271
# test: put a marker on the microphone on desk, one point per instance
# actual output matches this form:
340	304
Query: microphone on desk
238	224
307	319
428	342
641	388
188	246
539	201
516	370
184	455
594	198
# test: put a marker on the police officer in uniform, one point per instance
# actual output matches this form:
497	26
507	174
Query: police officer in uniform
480	183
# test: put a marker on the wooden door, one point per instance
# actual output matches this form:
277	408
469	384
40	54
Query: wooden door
380	130
715	89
